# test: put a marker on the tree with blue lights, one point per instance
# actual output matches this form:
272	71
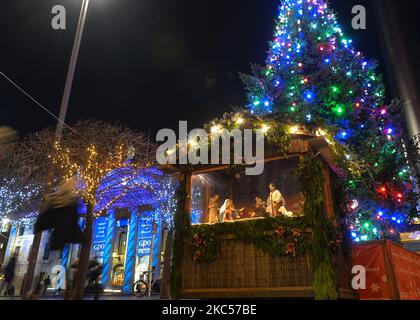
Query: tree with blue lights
314	78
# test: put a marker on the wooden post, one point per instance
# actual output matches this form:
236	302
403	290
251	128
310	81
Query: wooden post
84	256
182	230
165	290
33	257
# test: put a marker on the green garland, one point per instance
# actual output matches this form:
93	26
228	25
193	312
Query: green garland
274	236
311	183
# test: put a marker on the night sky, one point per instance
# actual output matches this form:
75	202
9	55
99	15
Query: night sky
148	63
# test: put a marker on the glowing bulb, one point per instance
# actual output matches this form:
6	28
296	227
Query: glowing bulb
265	128
293	130
320	132
239	120
216	128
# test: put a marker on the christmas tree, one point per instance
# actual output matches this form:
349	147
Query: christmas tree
314	78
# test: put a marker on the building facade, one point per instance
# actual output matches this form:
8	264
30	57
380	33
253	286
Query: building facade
132	217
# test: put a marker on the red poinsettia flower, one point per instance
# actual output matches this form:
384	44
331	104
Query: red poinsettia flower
196	239
197	255
296	232
281	231
291	249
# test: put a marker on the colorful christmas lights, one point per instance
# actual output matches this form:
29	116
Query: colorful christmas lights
323	76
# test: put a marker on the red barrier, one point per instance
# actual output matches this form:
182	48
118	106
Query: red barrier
406	269
392	272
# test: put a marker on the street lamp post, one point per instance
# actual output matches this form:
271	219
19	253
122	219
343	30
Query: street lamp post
27	285
72	68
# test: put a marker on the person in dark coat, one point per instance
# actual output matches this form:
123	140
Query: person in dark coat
94	280
47	283
60	213
9	275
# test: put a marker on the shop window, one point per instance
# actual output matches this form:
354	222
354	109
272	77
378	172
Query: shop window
46	251
118	276
21	231
122	243
5	228
229	195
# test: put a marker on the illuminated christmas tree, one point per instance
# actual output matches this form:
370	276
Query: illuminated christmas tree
314	78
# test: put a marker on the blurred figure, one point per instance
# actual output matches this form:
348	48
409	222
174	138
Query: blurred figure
94	280
93	277
7	135
60	213
9	276
59	283
47	283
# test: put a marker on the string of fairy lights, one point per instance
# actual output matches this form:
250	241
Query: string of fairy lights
131	185
314	82
13	200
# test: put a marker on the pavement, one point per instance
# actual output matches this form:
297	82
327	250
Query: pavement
104	297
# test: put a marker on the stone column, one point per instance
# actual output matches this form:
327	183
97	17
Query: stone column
130	260
109	246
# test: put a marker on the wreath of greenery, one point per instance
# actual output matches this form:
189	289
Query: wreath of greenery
311	185
274	236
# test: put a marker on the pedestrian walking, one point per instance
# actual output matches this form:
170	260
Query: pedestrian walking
47	283
9	276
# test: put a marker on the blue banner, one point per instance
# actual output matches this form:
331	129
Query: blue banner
145	234
99	237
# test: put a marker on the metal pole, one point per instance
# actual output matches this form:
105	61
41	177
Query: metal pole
403	81
72	68
58	135
398	64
